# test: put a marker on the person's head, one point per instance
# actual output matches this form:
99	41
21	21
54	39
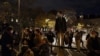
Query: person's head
26	31
45	40
25	41
60	14
38	32
93	34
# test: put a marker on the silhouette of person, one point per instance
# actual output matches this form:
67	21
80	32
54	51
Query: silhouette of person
60	29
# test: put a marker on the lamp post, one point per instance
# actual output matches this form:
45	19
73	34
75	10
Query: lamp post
18	20
19	23
18	9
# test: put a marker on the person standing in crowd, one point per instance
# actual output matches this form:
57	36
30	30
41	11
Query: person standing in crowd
60	28
50	37
7	42
25	43
66	37
88	35
70	38
44	48
5	25
32	36
25	35
78	39
37	41
41	47
93	44
25	50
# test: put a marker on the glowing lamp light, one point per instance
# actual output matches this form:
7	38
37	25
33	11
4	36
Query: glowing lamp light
80	26
47	20
12	20
17	20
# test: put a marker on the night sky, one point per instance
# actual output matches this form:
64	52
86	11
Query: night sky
84	6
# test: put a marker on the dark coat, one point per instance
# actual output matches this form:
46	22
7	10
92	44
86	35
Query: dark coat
60	25
7	39
44	50
50	36
93	45
79	35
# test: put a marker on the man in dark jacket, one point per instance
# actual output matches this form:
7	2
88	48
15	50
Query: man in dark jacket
93	44
6	42
50	37
60	28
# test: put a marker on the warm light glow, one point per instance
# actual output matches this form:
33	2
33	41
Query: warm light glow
80	26
16	20
51	24
12	20
46	20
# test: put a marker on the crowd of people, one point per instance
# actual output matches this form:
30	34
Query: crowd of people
27	42
34	42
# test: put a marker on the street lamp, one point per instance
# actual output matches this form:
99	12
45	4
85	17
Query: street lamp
12	19
16	20
19	22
